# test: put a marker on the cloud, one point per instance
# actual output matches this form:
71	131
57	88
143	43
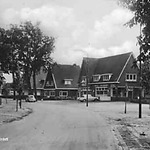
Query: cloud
57	21
73	35
127	46
109	25
58	18
79	52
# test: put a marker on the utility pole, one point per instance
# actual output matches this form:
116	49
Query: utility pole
125	109
140	96
87	82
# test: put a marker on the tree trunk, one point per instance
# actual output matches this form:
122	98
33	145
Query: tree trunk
29	84
13	76
34	84
14	89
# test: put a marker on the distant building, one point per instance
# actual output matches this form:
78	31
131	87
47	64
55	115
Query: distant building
40	81
62	82
109	77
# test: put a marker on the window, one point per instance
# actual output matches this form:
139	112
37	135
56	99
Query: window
131	77
63	93
51	93
96	77
49	83
84	90
67	81
102	90
41	81
106	77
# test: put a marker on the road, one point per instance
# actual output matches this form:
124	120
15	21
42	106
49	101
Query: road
58	126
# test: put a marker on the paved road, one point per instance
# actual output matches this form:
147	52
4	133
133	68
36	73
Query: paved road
58	126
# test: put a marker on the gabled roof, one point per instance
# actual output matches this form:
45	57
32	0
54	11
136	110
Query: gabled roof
88	64
112	64
62	72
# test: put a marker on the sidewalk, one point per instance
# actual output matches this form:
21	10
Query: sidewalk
8	111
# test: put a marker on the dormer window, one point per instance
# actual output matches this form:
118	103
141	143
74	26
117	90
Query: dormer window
106	77
41	81
49	83
131	77
96	77
67	81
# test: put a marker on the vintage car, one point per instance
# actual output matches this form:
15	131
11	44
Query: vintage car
30	98
90	98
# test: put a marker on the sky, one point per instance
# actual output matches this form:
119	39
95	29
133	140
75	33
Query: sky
93	28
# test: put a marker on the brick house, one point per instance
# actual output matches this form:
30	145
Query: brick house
40	81
62	82
109	77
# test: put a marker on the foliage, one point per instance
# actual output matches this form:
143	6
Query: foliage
1	79
37	51
146	75
4	51
141	11
25	49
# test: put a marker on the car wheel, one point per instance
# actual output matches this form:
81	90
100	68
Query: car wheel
95	99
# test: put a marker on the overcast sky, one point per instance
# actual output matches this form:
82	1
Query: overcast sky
93	28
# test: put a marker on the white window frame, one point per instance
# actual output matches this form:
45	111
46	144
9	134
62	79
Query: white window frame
96	78
106	77
67	81
61	93
51	93
49	83
132	77
102	90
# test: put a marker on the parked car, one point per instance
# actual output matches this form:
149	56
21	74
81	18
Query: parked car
30	98
90	98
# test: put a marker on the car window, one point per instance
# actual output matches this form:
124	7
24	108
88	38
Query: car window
31	96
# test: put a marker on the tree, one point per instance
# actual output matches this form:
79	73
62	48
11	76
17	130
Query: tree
36	53
141	11
4	55
4	51
26	49
1	82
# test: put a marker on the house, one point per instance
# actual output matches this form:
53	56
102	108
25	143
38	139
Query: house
109	77
40	81
62	82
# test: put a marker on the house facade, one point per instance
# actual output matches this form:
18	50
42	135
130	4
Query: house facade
40	82
109	77
62	82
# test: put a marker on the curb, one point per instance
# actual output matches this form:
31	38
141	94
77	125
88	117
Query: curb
120	142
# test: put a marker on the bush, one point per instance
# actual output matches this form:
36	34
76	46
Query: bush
119	99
